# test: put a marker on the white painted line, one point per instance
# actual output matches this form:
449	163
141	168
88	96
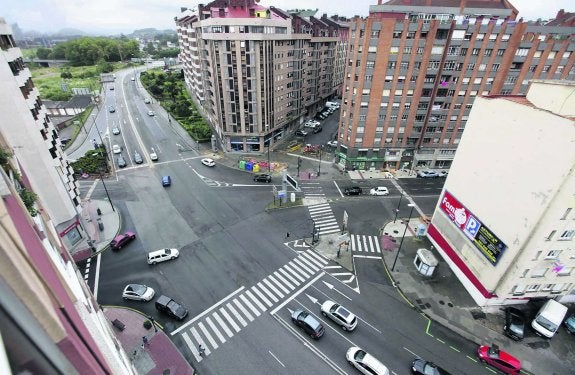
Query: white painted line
249	304
317	256
266	291
358	242
272	287
330	267
364	239
222	324
294	272
97	277
192	346
242	309
296	266
341	273
229	319
312	260
303	265
371	246
283	280
216	330
199	339
207	335
286	291
367	256
236	314
276	358
261	295
289	276
353	242
207	311
257	301
376	240
296	293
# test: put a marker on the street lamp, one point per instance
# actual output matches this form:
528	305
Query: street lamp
397	209
319	166
103	183
402	237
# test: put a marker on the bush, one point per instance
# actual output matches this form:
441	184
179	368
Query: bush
147	324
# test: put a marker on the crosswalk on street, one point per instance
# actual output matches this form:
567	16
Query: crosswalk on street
365	244
324	218
228	317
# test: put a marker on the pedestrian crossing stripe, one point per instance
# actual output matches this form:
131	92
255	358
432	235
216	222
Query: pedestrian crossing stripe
216	327
365	243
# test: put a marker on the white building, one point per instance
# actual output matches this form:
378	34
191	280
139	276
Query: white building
505	222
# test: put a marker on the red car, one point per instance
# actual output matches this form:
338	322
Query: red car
121	240
499	359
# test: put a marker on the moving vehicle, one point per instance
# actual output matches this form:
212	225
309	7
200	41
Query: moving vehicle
339	314
122	240
514	323
423	367
121	161
570	323
262	177
427	174
138	292
549	318
116	149
499	359
300	133
111	109
166	181
352	190
308	323
147	100
151	113
208	162
364	362
112	88
138	158
116	131
153	156
317	129
133	78
332	143
162	255
380	190
171	308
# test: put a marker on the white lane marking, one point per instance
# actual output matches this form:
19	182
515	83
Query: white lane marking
305	266
97	278
261	295
296	293
238	316
207	335
230	320
296	271
257	301
283	280
293	272
266	291
272	287
192	346
216	330
199	339
242	309
289	276
286	291
222	324
276	358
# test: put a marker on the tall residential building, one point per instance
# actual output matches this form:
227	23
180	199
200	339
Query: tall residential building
416	67
256	71
32	138
505	222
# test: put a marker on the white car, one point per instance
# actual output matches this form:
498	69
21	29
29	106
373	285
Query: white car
153	156
208	162
427	174
147	100
332	143
151	113
138	292
116	149
364	362
380	190
116	131
339	314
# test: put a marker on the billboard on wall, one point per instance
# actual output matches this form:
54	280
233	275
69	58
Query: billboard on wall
485	240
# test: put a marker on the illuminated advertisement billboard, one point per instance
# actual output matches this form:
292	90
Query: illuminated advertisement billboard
485	240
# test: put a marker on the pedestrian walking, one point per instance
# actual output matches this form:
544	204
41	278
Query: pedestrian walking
287	235
145	340
201	350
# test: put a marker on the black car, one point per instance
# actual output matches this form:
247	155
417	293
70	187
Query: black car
514	323
308	323
421	366
121	162
262	177
317	129
352	190
171	308
111	109
300	133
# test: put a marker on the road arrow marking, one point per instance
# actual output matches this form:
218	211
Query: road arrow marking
313	299
330	286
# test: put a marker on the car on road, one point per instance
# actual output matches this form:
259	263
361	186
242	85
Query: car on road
499	359
514	323
138	292
111	109
171	308
313	122
570	323
65	141
147	100
208	162
423	367
443	174
427	174
151	113
116	149
321	116
262	177
339	314
317	129
300	133
153	156
352	190
122	240
166	181
162	255
112	88
380	190
308	323
133	78
138	158
121	161
116	131
364	362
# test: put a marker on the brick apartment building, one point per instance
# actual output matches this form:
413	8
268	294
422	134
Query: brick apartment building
258	72
415	67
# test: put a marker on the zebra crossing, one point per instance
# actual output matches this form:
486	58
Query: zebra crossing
364	244
228	317
324	219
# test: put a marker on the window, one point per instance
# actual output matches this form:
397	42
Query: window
370	64
553	254
494	67
500	52
518	290
487	52
566	235
463	51
375	34
391	65
433	65
533	288
565	271
368	77
407	50
532	68
394	50
540	272
475	51
522	52
510	79
482	67
546	68
471	66
397	34
567	212
420	50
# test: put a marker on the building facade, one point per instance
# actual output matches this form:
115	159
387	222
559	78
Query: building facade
415	69
258	72
505	222
33	140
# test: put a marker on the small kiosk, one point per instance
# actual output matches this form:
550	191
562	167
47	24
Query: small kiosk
425	262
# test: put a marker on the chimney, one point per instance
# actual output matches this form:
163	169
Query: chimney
560	13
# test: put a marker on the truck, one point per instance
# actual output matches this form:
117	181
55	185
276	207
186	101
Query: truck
549	318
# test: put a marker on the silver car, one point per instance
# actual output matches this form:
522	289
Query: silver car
339	314
138	292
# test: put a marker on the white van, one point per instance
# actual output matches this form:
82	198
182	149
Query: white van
549	318
162	255
332	104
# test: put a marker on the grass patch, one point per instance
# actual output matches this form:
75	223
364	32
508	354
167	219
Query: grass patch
271	206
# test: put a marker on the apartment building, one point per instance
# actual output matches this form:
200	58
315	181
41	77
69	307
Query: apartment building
415	69
30	136
505	222
259	72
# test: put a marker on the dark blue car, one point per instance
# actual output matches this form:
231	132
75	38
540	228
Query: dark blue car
166	181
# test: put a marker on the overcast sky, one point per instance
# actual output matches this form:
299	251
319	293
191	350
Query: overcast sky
105	17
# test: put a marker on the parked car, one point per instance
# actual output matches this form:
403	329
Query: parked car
111	109
352	190
317	129
171	308
162	255
147	100
321	116
116	149
138	292
133	78
138	158
364	362
423	367
499	359
208	162
151	113
116	131
570	323
262	177
514	323
166	181
300	133
308	323
332	143
313	122
65	141
427	174
153	156
122	240
380	190
112	88
121	161
339	314
443	174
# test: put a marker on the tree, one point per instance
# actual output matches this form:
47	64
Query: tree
43	53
